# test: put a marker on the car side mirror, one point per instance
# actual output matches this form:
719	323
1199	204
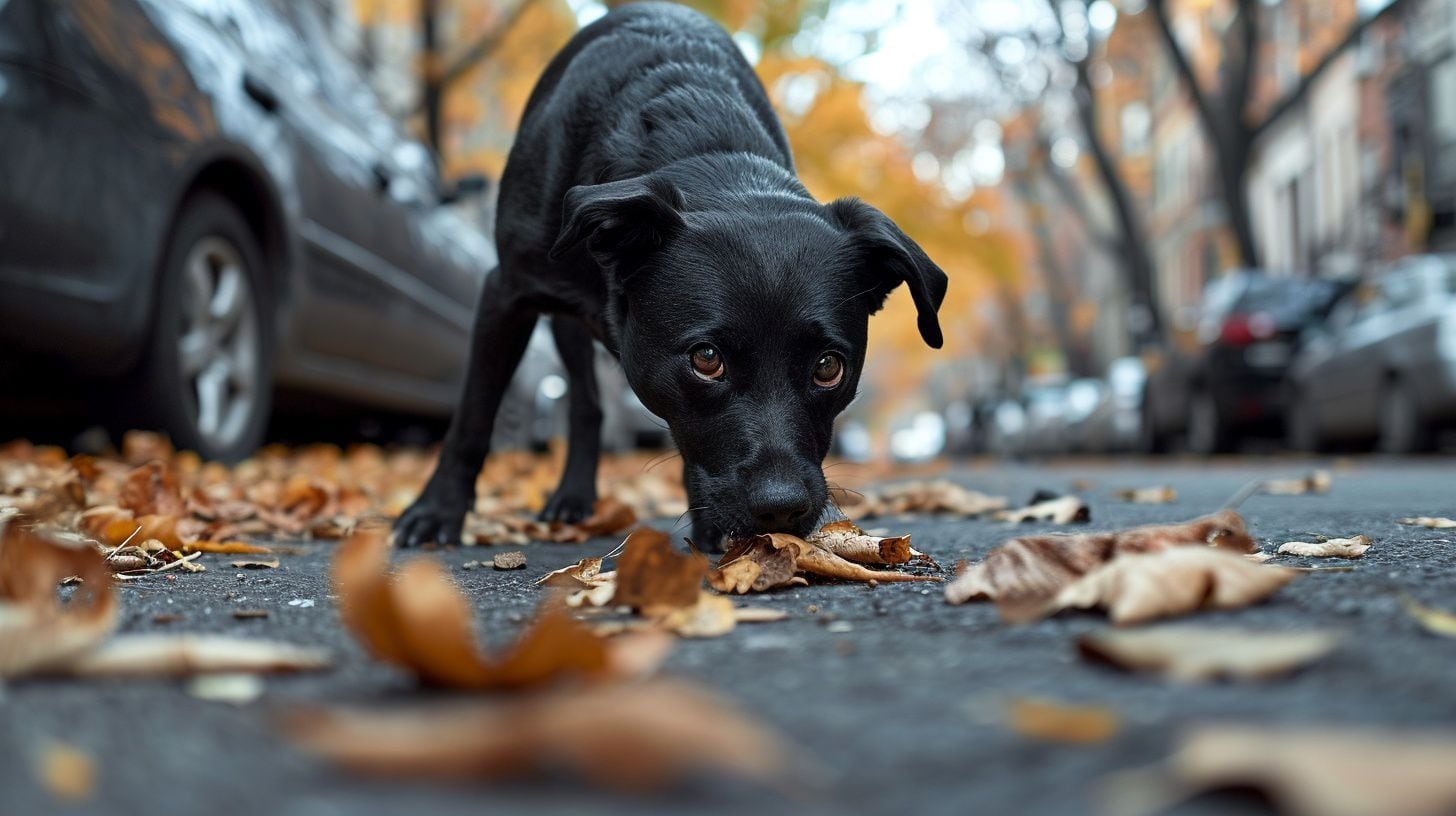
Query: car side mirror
472	184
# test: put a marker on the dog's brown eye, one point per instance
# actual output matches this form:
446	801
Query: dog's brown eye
707	363
829	371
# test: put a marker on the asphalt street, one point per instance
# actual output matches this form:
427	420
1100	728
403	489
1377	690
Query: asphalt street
898	695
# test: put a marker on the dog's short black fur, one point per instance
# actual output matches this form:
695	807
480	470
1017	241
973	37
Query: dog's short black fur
650	201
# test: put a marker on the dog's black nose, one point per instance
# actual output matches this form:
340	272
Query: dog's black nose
779	506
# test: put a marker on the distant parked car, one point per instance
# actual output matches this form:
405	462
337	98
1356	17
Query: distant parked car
1083	398
202	199
1006	435
1114	424
1046	419
1250	328
1383	367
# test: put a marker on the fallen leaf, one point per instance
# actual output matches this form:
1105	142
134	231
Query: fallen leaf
1307	771
758	614
421	622
1139	588
846	540
151	489
1329	548
1433	620
1192	654
1162	494
817	560
1430	522
509	561
273	564
609	517
759	564
651	574
66	772
634	737
249	614
1025	572
234	689
1317	481
936	496
1060	510
186	655
37	630
712	616
1057	722
573	576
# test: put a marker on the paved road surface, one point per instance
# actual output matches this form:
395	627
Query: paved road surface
902	708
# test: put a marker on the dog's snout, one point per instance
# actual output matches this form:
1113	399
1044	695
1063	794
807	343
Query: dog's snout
779	506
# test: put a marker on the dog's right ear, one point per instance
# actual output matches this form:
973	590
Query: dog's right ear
619	218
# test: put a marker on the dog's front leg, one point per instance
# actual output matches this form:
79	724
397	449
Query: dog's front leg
502	330
577	491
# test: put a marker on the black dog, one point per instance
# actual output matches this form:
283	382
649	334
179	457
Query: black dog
650	202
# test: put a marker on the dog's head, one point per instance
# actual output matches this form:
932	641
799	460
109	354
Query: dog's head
744	327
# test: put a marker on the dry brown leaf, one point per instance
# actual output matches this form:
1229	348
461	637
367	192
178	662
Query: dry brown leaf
1317	481
758	614
609	517
1307	771
186	655
151	489
713	615
1433	620
1061	510
1192	654
1025	572
66	772
575	576
819	561
37	630
634	737
1140	588
653	574
759	564
846	540
1429	522
935	496
1162	494
421	622
509	561
1329	548
272	564
1057	722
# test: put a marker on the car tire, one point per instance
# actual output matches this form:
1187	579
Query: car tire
1401	430
206	377
1301	426
1207	433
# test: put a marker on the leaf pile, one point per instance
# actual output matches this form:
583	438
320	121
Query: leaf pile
161	504
1025	575
41	635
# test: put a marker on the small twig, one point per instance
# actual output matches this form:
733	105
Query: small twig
182	560
1243	494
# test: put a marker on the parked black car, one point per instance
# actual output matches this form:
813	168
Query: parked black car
1383	367
200	199
1250	327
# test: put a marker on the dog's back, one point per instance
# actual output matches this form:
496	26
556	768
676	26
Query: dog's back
647	85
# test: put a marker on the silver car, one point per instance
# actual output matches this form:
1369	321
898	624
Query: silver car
1383	366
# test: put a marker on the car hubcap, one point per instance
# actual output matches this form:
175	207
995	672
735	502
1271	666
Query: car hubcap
218	345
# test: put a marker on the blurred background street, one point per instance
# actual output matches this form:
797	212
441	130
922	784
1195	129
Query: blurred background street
1170	225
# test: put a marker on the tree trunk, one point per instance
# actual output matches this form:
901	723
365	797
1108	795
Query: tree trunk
431	88
1058	282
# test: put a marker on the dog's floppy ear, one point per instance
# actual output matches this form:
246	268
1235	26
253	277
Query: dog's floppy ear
890	257
619	217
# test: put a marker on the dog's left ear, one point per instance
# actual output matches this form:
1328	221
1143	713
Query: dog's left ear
618	218
890	257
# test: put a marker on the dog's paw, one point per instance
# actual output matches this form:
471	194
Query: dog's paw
568	506
430	521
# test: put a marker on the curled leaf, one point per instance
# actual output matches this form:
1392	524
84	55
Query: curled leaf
1060	510
1193	654
1329	548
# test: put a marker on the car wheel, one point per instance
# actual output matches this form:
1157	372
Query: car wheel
1301	425
207	377
1401	430
1207	434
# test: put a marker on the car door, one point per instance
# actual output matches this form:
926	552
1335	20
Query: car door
95	109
